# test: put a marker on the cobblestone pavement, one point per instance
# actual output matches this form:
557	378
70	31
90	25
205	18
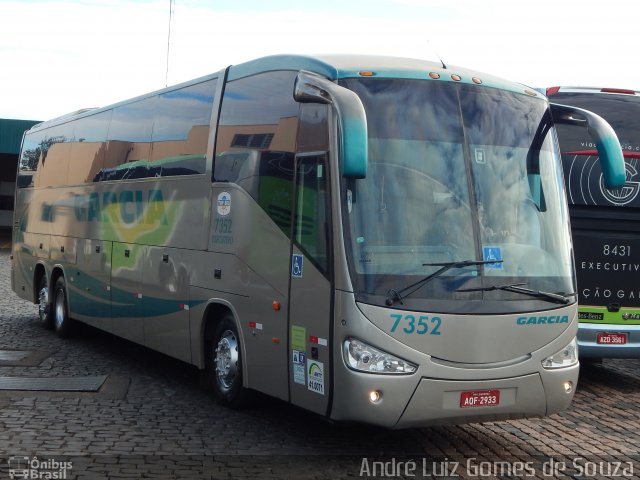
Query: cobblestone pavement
151	420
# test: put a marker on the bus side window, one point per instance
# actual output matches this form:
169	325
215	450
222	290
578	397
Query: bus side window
129	140
181	130
256	141
32	151
54	159
88	148
311	227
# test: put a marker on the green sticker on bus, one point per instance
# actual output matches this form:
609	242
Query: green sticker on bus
298	338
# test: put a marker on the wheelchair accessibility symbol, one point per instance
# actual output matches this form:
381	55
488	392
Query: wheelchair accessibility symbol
492	253
296	266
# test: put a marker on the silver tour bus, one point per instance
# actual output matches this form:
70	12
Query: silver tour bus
373	239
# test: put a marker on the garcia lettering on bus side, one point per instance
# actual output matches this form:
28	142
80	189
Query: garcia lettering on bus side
131	206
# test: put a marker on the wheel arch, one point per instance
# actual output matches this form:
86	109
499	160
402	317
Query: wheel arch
39	271
215	310
58	272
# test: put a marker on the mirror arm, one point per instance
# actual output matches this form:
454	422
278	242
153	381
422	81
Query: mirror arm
312	88
607	143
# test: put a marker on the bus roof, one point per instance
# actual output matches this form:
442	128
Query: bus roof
333	67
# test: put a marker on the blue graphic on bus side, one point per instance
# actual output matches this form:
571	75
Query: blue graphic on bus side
492	253
296	266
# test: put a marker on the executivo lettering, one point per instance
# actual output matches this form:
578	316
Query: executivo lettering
542	320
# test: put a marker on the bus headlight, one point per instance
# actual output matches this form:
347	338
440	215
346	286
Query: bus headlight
566	357
365	358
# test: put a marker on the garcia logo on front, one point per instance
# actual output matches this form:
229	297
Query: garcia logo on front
552	319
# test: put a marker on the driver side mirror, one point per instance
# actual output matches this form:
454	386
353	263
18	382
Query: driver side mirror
311	88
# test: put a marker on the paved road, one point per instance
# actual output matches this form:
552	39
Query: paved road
150	419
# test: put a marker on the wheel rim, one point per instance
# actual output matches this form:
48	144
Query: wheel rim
226	360
60	312
43	306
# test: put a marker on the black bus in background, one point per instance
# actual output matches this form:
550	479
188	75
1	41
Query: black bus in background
605	223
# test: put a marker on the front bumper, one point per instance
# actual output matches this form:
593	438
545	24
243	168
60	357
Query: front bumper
588	346
413	401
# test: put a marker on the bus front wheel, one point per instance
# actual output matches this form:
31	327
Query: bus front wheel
62	324
225	364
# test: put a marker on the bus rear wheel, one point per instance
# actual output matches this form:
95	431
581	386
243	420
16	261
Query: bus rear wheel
44	308
62	324
225	364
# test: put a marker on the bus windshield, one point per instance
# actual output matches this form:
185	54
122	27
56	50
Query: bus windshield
457	173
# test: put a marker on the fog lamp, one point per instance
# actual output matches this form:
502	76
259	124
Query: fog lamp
374	396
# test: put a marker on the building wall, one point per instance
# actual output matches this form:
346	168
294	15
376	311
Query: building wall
10	139
8	167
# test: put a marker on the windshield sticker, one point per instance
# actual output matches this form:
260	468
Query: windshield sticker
224	204
492	254
480	156
315	373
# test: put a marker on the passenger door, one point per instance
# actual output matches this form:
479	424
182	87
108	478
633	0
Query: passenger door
310	286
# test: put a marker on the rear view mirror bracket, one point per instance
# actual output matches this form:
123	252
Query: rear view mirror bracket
312	88
606	140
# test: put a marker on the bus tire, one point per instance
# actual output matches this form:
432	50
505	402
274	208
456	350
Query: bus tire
225	364
44	307
62	324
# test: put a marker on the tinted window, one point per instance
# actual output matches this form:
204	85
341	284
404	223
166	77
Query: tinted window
313	132
311	228
181	130
32	150
89	147
129	143
256	141
396	109
54	158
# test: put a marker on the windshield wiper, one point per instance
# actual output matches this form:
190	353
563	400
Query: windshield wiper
519	288
394	296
